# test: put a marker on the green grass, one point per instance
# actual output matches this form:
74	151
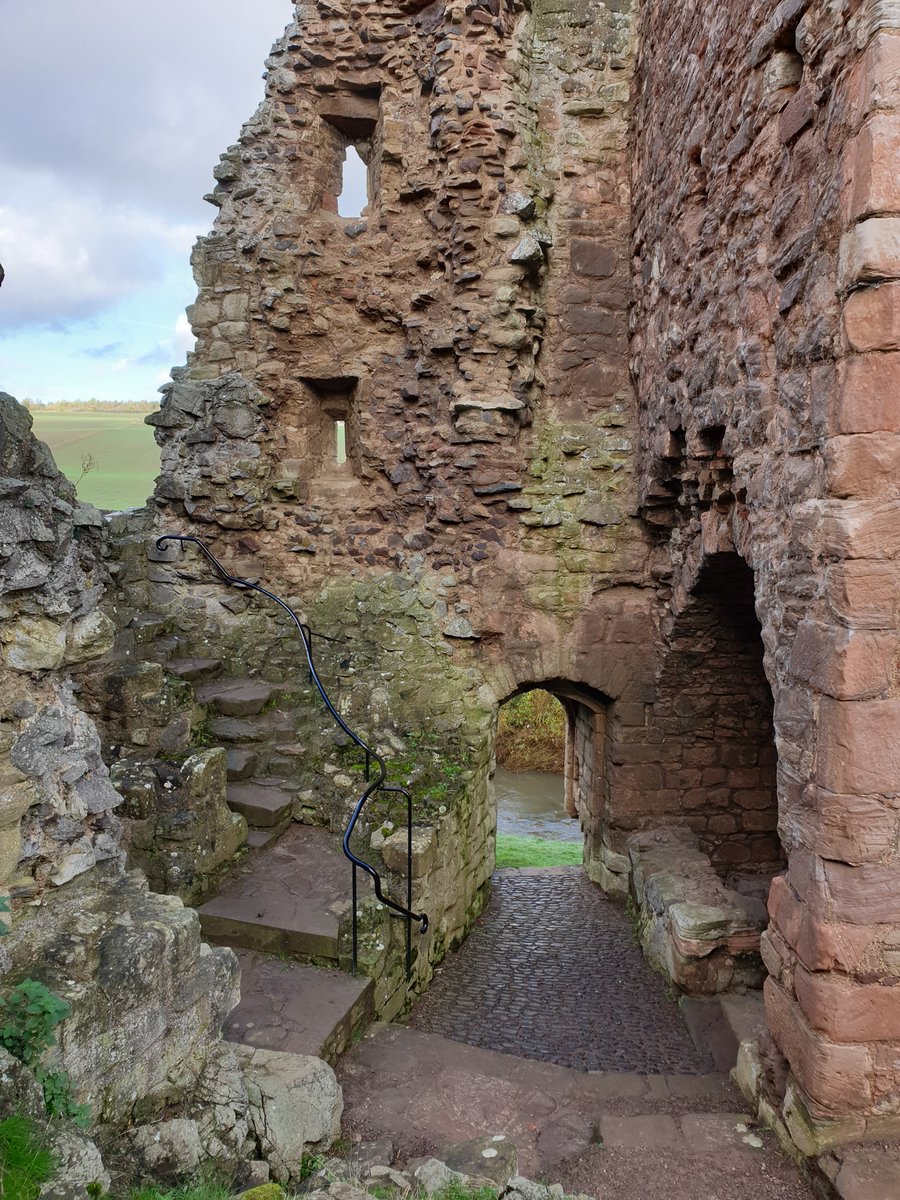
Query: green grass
516	851
209	1189
24	1163
122	445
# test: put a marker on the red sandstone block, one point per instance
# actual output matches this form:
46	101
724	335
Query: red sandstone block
880	74
847	1011
867	399
832	945
861	529
797	114
590	257
864	593
872	165
864	895
870	251
859	747
850	829
848	664
863	464
836	1078
786	908
872	318
821	944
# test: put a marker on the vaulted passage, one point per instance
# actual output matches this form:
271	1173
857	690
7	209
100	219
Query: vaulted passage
712	724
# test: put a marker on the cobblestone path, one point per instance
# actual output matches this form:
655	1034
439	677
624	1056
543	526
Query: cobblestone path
551	972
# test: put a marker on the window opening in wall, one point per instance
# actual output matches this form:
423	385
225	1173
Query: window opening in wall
340	442
354	194
533	826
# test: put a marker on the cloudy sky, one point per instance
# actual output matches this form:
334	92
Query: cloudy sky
114	115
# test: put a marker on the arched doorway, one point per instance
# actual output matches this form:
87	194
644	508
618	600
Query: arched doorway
560	725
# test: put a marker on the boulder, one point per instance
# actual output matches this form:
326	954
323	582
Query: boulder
78	1165
295	1102
168	1150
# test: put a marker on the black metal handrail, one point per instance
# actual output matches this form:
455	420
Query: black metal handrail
377	784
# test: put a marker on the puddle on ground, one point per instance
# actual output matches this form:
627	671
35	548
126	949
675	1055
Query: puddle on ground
532	802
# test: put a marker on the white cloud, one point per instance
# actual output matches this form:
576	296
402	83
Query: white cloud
69	257
113	142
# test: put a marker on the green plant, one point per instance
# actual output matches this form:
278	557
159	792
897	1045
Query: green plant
310	1164
208	1186
30	1012
531	733
25	1162
457	1190
58	1098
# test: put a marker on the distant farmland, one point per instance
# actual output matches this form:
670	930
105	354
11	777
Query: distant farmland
121	444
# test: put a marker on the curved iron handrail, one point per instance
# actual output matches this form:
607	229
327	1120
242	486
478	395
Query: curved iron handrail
378	783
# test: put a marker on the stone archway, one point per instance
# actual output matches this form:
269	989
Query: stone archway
585	711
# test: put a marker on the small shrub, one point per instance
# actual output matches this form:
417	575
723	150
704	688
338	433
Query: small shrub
25	1162
58	1098
309	1165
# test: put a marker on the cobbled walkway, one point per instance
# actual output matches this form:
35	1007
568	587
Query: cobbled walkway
551	972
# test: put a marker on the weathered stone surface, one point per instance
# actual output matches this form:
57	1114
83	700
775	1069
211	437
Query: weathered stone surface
180	830
704	936
168	1150
20	1093
77	1165
295	1103
148	1002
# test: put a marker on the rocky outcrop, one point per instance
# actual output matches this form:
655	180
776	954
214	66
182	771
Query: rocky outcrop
295	1107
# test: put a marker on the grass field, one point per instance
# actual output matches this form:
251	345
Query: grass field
121	444
515	851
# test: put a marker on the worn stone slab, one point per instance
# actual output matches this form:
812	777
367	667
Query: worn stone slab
645	1131
263	803
302	1009
236	697
287	898
869	1173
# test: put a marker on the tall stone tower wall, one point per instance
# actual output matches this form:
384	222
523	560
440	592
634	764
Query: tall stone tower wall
765	169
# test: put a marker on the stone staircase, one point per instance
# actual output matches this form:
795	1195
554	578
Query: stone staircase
280	907
281	910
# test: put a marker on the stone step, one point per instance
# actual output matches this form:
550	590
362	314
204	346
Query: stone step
193	669
259	837
242	762
294	1007
236	697
256	728
264	803
285	899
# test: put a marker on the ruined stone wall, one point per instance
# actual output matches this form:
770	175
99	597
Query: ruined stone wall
765	177
470	331
147	1002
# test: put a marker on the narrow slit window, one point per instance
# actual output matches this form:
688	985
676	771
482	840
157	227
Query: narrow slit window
340	442
354	185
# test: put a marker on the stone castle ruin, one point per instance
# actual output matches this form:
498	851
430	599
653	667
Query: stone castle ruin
599	393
